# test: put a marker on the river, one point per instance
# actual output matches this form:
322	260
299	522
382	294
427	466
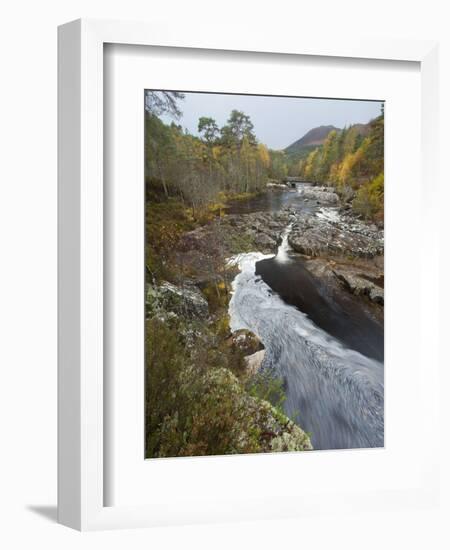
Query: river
327	348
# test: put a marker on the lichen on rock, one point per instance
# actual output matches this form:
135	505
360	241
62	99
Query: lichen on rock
187	301
321	235
237	422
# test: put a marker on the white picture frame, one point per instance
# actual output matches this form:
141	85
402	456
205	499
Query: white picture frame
81	480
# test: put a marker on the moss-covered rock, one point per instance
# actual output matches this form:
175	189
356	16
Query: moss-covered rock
227	420
187	301
195	405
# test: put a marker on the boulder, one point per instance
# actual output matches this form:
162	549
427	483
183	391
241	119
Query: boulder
320	235
257	424
275	185
275	225
246	341
360	286
187	301
376	294
324	195
253	362
265	243
283	216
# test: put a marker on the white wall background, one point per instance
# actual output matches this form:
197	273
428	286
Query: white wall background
28	270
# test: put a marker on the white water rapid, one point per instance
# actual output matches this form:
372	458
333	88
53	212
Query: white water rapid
333	392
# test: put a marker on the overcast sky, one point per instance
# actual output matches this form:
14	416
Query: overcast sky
278	121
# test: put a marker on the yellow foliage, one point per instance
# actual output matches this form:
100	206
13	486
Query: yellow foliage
310	164
264	155
216	152
369	200
334	172
348	168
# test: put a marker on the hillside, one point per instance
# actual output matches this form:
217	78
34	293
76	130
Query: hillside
352	161
312	138
316	137
361	129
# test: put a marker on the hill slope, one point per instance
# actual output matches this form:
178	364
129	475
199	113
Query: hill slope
312	138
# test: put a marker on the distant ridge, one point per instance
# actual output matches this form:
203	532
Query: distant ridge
314	137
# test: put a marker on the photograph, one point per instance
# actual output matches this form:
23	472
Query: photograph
264	273
195	208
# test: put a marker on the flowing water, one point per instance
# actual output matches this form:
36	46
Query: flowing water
271	202
329	352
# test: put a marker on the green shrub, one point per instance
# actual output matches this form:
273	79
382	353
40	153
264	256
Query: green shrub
265	385
217	295
195	405
165	222
369	199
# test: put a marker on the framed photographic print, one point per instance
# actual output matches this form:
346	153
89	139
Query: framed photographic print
235	330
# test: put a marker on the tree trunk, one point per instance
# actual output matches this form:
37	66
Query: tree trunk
163	179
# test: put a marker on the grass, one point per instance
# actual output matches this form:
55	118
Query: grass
167	219
265	386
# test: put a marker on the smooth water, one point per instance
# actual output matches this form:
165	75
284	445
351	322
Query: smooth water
271	201
340	314
328	351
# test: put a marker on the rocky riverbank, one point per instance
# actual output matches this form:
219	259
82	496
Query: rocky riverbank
342	254
221	401
342	250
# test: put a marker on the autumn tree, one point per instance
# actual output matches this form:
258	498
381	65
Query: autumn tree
264	155
196	169
312	165
352	160
328	156
278	165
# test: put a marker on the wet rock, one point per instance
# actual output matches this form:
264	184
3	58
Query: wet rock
255	224
246	341
265	243
233	219
359	285
324	195
276	185
261	229
284	216
187	300
253	362
319	235
376	294
277	225
326	271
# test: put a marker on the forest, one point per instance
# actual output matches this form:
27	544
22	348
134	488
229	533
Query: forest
229	161
353	163
220	163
